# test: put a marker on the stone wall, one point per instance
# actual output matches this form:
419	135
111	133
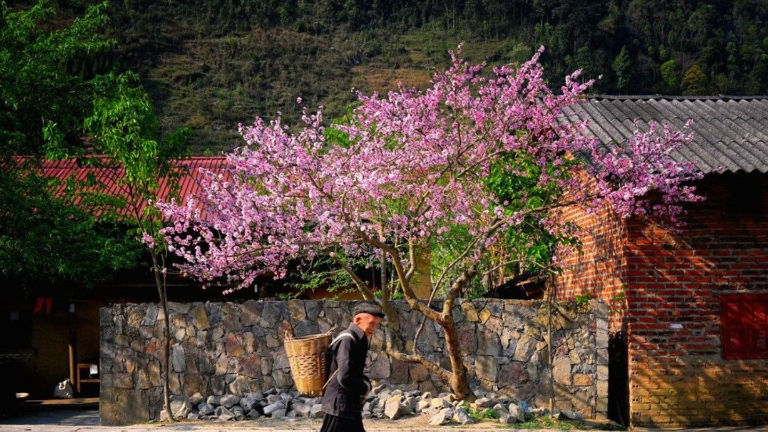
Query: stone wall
227	348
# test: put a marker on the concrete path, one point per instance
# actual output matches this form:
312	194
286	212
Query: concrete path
87	420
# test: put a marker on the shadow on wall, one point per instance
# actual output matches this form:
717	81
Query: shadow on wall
678	371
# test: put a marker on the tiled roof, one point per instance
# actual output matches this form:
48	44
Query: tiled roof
106	176
729	133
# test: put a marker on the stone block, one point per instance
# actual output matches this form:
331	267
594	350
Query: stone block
119	407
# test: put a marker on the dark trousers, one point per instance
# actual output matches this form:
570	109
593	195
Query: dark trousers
340	424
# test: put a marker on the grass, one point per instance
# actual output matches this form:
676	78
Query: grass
546	422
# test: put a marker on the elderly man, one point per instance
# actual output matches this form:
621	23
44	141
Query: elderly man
347	386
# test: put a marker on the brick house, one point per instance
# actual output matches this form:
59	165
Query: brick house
690	308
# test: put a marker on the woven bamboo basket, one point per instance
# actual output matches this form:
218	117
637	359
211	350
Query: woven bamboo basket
308	358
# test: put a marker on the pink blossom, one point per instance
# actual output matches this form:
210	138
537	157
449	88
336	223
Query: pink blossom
413	171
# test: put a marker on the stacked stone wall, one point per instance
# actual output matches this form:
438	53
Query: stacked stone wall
228	348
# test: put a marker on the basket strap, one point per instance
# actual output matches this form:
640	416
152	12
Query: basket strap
341	336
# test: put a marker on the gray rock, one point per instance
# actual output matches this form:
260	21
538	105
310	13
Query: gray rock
272	398
508	419
253	414
410	402
228	401
271	408
193	416
213	401
393	408
278	414
517	412
248	402
441	418
461	416
316	411
259	396
180	406
569	415
500	411
380	368
485	403
205	409
270	315
178	360
422	405
224	414
439	403
301	409
196	399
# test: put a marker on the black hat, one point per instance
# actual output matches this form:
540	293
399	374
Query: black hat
369	308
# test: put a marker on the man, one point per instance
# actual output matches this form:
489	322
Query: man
347	385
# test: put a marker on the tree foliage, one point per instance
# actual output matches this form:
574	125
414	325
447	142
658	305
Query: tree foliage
44	102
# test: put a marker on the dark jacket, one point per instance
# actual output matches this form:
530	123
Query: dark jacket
344	394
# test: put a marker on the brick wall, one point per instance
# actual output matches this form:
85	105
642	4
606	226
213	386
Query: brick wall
678	377
599	267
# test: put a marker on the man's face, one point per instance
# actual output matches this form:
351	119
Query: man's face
368	323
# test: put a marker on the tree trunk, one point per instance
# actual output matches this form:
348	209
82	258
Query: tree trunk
421	281
459	381
165	365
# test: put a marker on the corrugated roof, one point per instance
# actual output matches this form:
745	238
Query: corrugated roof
729	132
106	176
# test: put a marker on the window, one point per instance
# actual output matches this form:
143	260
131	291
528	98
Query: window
744	324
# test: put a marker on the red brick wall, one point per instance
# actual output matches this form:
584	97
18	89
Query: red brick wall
599	267
677	375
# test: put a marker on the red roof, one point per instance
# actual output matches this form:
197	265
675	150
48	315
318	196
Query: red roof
107	176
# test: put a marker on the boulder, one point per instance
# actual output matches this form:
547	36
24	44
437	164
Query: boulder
196	399
180	406
205	409
228	401
271	408
224	414
317	411
517	411
460	415
394	408
441	418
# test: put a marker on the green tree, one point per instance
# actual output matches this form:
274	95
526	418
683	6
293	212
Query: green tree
669	75
125	128
622	66
694	81
42	108
47	108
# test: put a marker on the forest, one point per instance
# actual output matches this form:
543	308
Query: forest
210	65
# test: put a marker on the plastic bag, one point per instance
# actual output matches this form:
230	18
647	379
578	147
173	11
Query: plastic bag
63	390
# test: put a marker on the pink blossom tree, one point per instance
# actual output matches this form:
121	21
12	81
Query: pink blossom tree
475	160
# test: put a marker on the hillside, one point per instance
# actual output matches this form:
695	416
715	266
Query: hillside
211	64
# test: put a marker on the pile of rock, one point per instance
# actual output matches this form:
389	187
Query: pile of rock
382	402
273	404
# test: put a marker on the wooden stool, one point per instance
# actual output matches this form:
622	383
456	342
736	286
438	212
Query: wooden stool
78	380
